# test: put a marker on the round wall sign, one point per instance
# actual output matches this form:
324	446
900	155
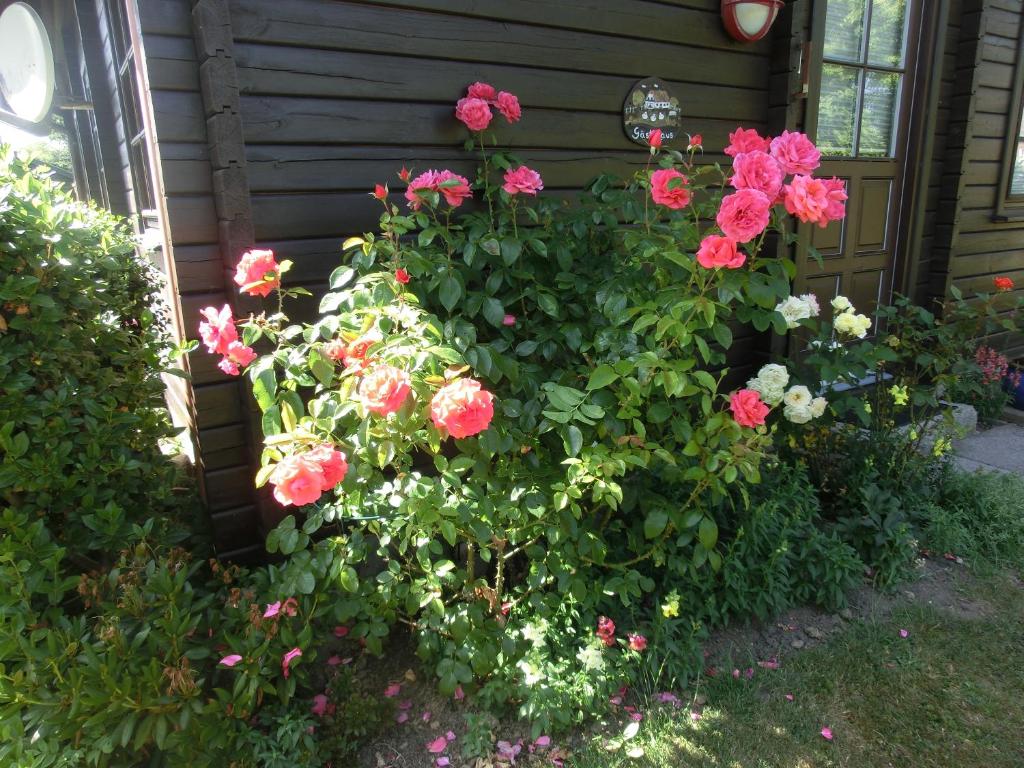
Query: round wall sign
26	63
651	105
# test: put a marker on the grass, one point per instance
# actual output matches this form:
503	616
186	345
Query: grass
947	695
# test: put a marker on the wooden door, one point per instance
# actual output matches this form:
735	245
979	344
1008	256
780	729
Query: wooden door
861	88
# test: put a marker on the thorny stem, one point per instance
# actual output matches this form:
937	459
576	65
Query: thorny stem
487	182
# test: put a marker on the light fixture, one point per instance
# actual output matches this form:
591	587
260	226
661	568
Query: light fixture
749	20
26	63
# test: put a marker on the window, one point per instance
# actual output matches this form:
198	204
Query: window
863	66
1011	198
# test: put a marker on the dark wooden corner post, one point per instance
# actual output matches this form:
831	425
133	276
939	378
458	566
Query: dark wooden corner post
218	81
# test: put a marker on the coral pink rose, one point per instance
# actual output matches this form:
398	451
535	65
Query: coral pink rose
297	480
669	188
462	408
717	251
637	642
425	182
335	349
356	350
747	408
606	630
237	355
475	113
481	91
332	464
522	180
509	107
259	271
380	191
1003	283
218	332
746	140
696	142
744	214
807	199
795	152
757	170
384	389
455	188
837	196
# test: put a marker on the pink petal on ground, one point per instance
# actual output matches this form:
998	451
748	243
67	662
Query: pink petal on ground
616	700
667	697
459	693
402	717
749	673
542	741
231	660
438	745
770	664
442	762
904	633
405	704
426	716
826	733
319	705
695	715
392	690
735	674
450	736
789	697
636	717
334	661
272	610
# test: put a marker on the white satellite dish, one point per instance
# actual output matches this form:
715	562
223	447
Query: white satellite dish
26	63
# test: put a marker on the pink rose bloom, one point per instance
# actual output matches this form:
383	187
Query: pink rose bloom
384	389
258	267
807	199
668	188
286	660
509	107
335	349
356	350
319	707
654	139
606	630
837	196
744	214
717	251
748	410
455	188
522	180
425	182
462	408
475	113
218	332
331	462
481	91
297	481
341	631
746	140
637	642
508	320
237	355
757	170
795	152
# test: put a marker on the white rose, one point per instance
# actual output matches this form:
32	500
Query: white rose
774	375
853	325
793	309
812	304
798	414
842	304
798	396
770	393
818	406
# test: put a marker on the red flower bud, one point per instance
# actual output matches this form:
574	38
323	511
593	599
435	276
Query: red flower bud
380	192
401	276
654	139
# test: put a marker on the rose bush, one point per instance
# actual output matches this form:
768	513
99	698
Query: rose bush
532	404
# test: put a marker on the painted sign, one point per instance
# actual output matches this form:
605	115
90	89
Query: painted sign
650	105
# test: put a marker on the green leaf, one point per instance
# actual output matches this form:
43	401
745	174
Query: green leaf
708	533
450	292
494	311
510	251
573	440
722	335
602	376
655	523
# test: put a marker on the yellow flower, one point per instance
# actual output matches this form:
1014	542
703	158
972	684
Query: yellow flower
867	407
942	445
893	342
670	608
900	395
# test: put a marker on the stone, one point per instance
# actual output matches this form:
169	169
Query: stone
814	632
798	644
847	614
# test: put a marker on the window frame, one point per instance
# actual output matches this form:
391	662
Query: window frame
1009	206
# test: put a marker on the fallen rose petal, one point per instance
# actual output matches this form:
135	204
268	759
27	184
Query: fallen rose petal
426	717
542	741
334	661
340	631
272	610
319	705
790	697
442	762
904	633
450	736
402	717
826	733
735	674
666	697
459	693
230	660
770	664
438	745
636	717
749	673
695	715
405	704
392	690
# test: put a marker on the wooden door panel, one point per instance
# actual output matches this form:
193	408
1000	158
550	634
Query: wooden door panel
874	217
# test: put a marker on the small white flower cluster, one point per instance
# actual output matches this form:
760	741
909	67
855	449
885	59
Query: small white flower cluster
771	382
847	322
797	308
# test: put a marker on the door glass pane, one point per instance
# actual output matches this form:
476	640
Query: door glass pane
837	110
1017	180
878	115
886	40
844	29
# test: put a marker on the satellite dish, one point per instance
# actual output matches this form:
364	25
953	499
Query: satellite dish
26	63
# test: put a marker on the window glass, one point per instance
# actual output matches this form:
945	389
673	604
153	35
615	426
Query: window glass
878	114
837	110
886	38
1017	177
844	29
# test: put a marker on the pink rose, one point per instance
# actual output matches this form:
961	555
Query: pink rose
795	152
384	389
455	188
425	182
402	276
508	320
744	214
286	660
747	408
319	707
474	113
481	91
522	180
836	209
218	332
297	480
757	170
509	107
654	139
237	355
462	408
746	140
606	630
259	271
637	642
380	191
807	199
331	462
357	348
668	188
717	251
